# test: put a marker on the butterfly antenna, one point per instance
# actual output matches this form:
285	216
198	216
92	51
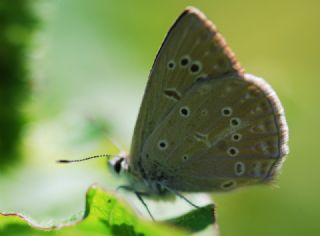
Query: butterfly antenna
86	158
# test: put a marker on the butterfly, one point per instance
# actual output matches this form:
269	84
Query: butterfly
204	124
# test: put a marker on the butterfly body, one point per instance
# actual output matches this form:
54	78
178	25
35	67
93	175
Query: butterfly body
204	125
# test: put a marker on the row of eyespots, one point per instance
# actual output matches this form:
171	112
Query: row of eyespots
239	166
234	122
185	111
239	169
163	145
227	112
231	184
194	67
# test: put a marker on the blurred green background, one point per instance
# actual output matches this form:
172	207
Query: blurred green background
89	62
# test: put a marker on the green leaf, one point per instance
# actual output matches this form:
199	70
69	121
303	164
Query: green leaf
105	214
196	220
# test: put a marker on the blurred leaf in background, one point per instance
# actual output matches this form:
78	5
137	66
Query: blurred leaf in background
17	22
92	60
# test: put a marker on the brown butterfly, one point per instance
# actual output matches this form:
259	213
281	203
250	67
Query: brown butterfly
204	125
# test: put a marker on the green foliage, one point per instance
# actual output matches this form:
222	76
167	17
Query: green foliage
16	25
107	215
94	62
195	220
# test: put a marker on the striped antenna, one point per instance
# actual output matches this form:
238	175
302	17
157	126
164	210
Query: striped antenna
85	159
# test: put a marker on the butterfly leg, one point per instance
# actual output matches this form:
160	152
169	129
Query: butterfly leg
182	197
125	187
139	196
186	199
194	205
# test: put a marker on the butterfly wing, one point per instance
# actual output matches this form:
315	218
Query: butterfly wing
191	51
224	133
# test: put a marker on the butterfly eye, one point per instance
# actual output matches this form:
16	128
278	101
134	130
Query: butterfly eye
171	65
163	144
235	122
184	111
117	167
226	111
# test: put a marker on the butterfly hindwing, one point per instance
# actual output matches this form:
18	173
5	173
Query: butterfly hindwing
232	134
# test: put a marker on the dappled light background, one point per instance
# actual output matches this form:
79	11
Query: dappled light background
89	63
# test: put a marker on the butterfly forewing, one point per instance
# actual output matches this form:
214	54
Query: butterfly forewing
193	50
